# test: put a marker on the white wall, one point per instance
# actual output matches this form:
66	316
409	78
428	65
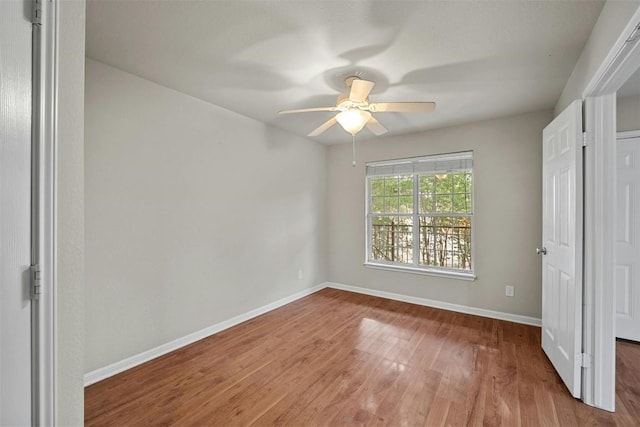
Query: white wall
70	216
614	17
508	206
194	214
628	113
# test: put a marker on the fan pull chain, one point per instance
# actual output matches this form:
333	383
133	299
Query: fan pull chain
353	151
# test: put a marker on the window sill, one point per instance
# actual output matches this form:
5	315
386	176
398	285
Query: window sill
423	271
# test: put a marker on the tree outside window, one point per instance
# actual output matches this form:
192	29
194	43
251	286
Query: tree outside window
421	219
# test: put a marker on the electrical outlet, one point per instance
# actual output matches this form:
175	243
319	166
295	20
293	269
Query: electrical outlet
509	290
299	274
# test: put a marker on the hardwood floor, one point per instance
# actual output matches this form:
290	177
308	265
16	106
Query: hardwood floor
339	358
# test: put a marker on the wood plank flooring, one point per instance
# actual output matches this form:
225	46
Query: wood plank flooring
339	358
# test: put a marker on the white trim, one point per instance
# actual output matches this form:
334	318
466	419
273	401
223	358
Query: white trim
516	318
424	271
600	122
615	69
628	134
588	254
601	197
47	373
128	363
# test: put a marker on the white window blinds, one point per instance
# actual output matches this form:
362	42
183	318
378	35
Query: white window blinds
432	164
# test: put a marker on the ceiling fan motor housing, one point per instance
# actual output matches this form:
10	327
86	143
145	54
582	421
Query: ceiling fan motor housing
344	103
349	80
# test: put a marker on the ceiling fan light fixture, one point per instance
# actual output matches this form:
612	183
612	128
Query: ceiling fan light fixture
353	120
355	109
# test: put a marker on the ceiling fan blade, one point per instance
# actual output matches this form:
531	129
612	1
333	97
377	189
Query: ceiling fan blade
403	107
308	110
326	125
374	126
360	89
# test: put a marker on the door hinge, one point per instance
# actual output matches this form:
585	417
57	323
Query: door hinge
36	282
585	360
36	12
586	139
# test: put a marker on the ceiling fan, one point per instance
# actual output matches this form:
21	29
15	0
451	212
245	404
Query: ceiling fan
355	109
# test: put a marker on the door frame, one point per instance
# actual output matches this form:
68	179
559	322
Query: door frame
600	166
44	202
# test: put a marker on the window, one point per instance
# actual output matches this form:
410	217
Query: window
420	214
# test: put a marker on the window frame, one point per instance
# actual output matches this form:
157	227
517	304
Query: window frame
415	267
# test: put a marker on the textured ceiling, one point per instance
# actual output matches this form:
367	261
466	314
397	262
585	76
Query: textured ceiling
476	60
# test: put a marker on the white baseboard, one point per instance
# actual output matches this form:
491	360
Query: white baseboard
534	321
128	363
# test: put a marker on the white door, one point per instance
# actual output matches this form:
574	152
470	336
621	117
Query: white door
562	245
628	239
15	188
